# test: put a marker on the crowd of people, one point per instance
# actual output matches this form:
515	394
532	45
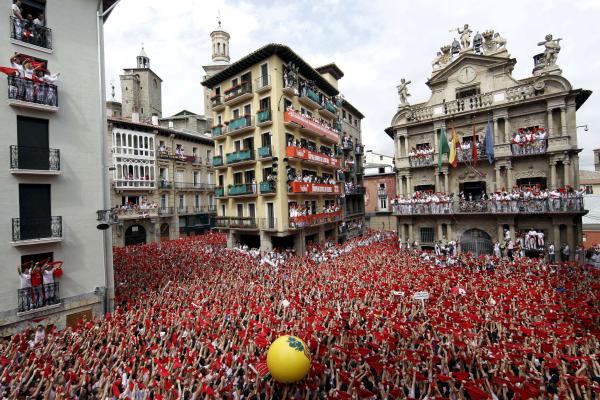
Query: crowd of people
28	29
308	145
466	150
38	288
144	207
421	156
29	80
301	216
194	321
529	141
293	176
319	121
531	199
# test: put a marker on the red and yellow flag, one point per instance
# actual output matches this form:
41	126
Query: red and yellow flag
452	159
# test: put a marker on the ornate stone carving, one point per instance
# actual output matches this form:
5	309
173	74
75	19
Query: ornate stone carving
403	92
552	48
530	173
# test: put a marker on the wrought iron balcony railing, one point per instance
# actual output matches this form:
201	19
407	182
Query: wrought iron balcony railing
240	156
219	191
38	297
36	228
262	82
529	148
217	131
562	205
237	91
32	92
27	32
264	152
236	222
268	187
238	124
217	161
242	189
421	161
34	158
263	116
162	211
314	219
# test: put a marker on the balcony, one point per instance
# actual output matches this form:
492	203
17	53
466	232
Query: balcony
134	184
268	187
313	188
264	152
355	190
263	83
382	193
38	298
165	184
34	160
26	231
240	125
466	155
476	103
329	111
565	205
135	213
182	210
194	186
347	145
238	93
354	212
241	156
203	209
25	33
217	131
314	219
217	161
242	189
311	126
24	93
219	191
421	161
264	118
311	157
216	103
359	150
529	149
309	98
165	211
236	222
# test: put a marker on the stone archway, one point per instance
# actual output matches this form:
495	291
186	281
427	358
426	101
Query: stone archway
135	234
477	242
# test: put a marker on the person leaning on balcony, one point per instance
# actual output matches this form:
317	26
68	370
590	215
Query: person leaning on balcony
37	282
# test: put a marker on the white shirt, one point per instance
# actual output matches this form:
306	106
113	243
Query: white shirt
48	276
25	279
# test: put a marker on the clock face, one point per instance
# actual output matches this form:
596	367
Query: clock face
466	75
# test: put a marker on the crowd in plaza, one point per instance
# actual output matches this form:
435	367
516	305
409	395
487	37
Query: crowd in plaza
194	321
519	199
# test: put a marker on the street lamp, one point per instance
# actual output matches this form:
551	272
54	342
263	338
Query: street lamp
585	127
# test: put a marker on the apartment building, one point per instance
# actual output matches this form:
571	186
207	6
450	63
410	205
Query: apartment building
53	185
278	149
162	177
514	140
380	190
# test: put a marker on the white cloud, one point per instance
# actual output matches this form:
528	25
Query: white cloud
374	42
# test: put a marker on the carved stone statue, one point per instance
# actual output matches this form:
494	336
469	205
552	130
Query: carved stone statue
403	91
465	36
455	47
446	55
437	61
552	49
477	42
499	41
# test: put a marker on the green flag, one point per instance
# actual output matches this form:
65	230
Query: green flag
443	147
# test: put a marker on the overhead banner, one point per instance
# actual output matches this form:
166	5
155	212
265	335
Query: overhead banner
317	188
305	154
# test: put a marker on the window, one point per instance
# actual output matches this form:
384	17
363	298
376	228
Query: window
196	178
247	109
249	176
467	92
382	203
427	235
223	210
238	178
265	103
32	144
381	170
589	189
240	210
34	212
252	210
380	158
155	83
266	139
164	201
181	202
221	180
197	201
286	103
248	143
237	145
236	113
343	114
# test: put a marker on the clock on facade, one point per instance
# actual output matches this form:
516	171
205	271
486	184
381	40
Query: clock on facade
466	75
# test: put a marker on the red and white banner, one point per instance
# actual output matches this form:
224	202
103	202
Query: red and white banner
315	219
305	122
317	188
304	154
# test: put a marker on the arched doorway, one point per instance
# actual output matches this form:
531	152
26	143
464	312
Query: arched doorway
135	234
164	232
477	242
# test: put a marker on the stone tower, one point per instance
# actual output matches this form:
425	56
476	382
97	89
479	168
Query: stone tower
220	61
597	159
141	90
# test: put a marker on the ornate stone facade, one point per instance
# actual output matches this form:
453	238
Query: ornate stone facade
473	92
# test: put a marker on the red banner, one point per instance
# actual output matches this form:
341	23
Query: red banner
314	219
305	122
304	154
317	188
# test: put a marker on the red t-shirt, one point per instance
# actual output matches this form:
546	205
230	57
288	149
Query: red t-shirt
36	278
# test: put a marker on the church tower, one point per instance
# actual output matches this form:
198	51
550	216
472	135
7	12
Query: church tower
220	61
141	90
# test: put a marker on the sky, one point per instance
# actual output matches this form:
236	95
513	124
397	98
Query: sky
374	42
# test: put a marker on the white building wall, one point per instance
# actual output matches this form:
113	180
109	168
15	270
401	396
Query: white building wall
76	129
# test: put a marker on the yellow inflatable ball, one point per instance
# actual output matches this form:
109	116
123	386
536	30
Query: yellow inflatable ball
288	359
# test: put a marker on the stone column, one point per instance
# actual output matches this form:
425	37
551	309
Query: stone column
571	240
498	178
556	239
402	229
400	186
410	232
567	171
507	133
552	174
550	124
496	133
440	232
509	177
409	189
399	146
449	232
446	182
435	141
511	229
500	232
563	121
437	181
406	149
